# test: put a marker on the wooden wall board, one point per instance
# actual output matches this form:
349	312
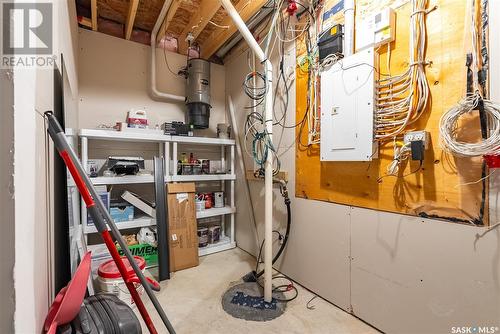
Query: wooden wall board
437	189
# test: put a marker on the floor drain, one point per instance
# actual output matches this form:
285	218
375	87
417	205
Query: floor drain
245	301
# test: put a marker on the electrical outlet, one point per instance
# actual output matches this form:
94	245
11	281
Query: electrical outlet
416	136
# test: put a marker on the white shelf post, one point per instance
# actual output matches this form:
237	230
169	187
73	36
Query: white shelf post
85	152
232	203
174	158
223	186
166	157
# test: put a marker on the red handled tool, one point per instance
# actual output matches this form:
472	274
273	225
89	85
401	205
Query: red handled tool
103	220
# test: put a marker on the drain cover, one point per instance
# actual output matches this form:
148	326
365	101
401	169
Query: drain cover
245	301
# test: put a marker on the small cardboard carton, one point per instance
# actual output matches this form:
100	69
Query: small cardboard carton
182	228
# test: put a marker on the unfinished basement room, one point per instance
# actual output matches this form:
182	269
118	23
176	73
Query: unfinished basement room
250	166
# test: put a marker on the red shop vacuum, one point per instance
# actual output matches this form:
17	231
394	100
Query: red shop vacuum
103	221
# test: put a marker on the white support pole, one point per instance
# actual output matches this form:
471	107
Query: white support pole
268	182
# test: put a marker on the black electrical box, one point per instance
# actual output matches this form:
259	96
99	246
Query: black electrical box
177	129
331	42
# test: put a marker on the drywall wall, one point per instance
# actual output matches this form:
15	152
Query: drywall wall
399	273
7	246
33	153
412	275
114	77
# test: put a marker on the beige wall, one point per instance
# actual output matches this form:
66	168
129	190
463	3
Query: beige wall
114	76
32	186
7	253
399	273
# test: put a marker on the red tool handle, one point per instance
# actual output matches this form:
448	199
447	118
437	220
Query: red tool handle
152	283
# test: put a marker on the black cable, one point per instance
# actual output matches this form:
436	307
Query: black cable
285	239
308	304
254	275
282	288
420	165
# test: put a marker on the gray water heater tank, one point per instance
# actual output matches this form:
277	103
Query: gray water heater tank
198	93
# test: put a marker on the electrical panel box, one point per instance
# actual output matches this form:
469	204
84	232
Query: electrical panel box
376	29
347	113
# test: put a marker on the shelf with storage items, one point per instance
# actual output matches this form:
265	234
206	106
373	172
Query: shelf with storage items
168	147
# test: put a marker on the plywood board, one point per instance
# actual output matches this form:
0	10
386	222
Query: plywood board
436	190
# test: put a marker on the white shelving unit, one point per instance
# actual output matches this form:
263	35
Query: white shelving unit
168	148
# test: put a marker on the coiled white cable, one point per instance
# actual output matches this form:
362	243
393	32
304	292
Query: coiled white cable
448	125
448	128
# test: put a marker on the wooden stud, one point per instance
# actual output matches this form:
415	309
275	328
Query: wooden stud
246	9
170	15
198	22
85	21
129	24
93	6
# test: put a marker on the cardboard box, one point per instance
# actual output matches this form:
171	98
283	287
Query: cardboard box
105	196
182	228
122	213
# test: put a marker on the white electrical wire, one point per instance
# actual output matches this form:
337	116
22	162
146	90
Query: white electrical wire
449	129
402	99
401	153
449	123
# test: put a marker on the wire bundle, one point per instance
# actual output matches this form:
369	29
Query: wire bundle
256	92
257	143
448	128
261	145
401	153
448	125
402	99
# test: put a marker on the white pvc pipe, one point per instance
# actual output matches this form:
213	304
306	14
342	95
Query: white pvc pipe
268	181
239	151
155	93
349	28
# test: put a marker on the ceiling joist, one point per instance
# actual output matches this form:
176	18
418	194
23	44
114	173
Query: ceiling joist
170	15
246	9
198	22
93	7
129	24
85	21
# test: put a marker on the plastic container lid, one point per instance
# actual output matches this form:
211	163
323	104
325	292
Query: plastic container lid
109	269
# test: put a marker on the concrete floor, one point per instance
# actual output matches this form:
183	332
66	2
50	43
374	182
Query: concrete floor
192	301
